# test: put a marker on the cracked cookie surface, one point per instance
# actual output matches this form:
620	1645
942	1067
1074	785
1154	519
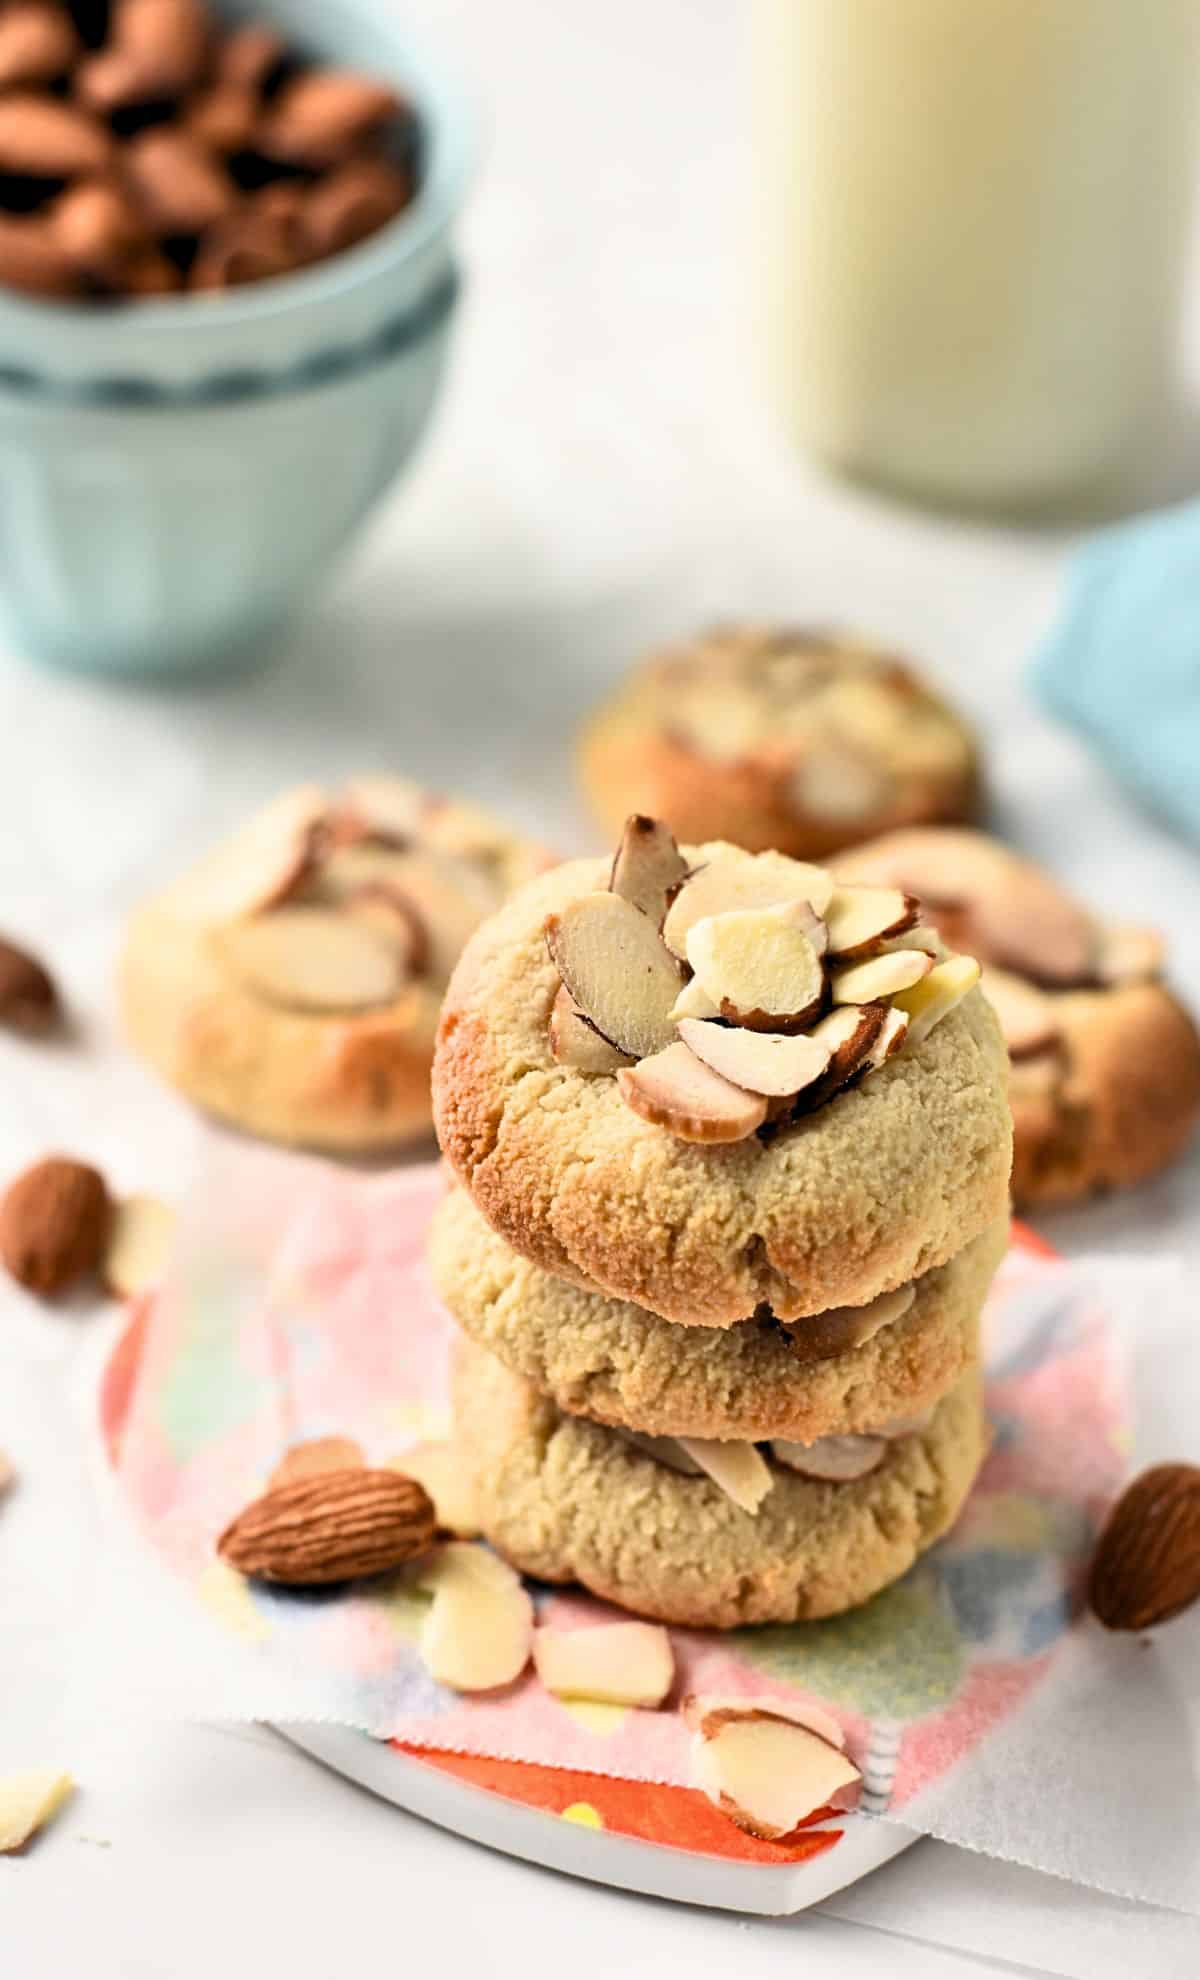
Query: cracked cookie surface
799	740
567	1500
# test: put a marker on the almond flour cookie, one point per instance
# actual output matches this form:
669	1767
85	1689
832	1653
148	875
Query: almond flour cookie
708	1082
567	1500
1105	1081
841	1372
800	740
291	981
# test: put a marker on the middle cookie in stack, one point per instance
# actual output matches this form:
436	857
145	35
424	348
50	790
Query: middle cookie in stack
723	1363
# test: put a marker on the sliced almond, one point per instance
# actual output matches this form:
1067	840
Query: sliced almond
664	1450
613	1663
448	1481
926	939
839	1329
734	879
738	1469
617	970
708	1712
888	1040
859	918
774	1063
693	1002
879	976
479	1632
398	921
314	1456
928	1002
1026	1014
648	866
443	899
760	965
848	1034
768	1772
140	1236
576	1043
837	1460
391	807
1025	922
257	868
27	1802
674	1090
1126	954
313	959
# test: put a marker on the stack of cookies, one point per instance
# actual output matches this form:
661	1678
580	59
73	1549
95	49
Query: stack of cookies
731	1147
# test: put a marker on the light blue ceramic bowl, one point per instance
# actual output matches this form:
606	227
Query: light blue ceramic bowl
175	475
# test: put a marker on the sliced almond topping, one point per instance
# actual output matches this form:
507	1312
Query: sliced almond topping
647	867
316	1455
1126	954
440	1469
1026	1014
768	1772
619	974
674	1090
859	918
926	939
139	1243
312	959
259	866
736	879
820	1336
614	1663
848	1034
879	976
760	965
479	1632
444	899
27	1802
1025	922
929	1000
576	1043
892	1034
774	1063
398	921
693	1002
835	1459
739	1470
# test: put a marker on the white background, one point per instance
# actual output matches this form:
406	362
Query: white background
601	474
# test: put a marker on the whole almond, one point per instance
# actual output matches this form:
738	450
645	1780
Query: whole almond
1147	1563
28	998
96	224
33	261
334	1526
38	43
318	118
44	138
249	56
53	1224
353	202
180	186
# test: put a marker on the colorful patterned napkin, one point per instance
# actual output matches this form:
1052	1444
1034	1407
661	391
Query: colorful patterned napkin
298	1306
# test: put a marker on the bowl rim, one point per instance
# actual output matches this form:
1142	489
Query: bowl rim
449	122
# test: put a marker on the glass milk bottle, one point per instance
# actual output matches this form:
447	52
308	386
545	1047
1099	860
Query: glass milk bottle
971	224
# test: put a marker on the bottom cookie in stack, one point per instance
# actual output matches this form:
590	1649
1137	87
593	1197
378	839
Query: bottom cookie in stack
712	1476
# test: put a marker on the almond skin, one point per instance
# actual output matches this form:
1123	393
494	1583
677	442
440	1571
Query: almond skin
1147	1564
53	1224
28	998
332	1526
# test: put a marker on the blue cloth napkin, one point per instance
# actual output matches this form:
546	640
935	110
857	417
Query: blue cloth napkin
1122	666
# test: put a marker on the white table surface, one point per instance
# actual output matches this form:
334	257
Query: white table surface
601	474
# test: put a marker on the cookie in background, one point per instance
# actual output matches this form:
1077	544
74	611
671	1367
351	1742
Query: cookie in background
1105	1060
802	741
290	982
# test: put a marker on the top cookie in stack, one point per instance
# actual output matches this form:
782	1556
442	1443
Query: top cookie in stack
709	1082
